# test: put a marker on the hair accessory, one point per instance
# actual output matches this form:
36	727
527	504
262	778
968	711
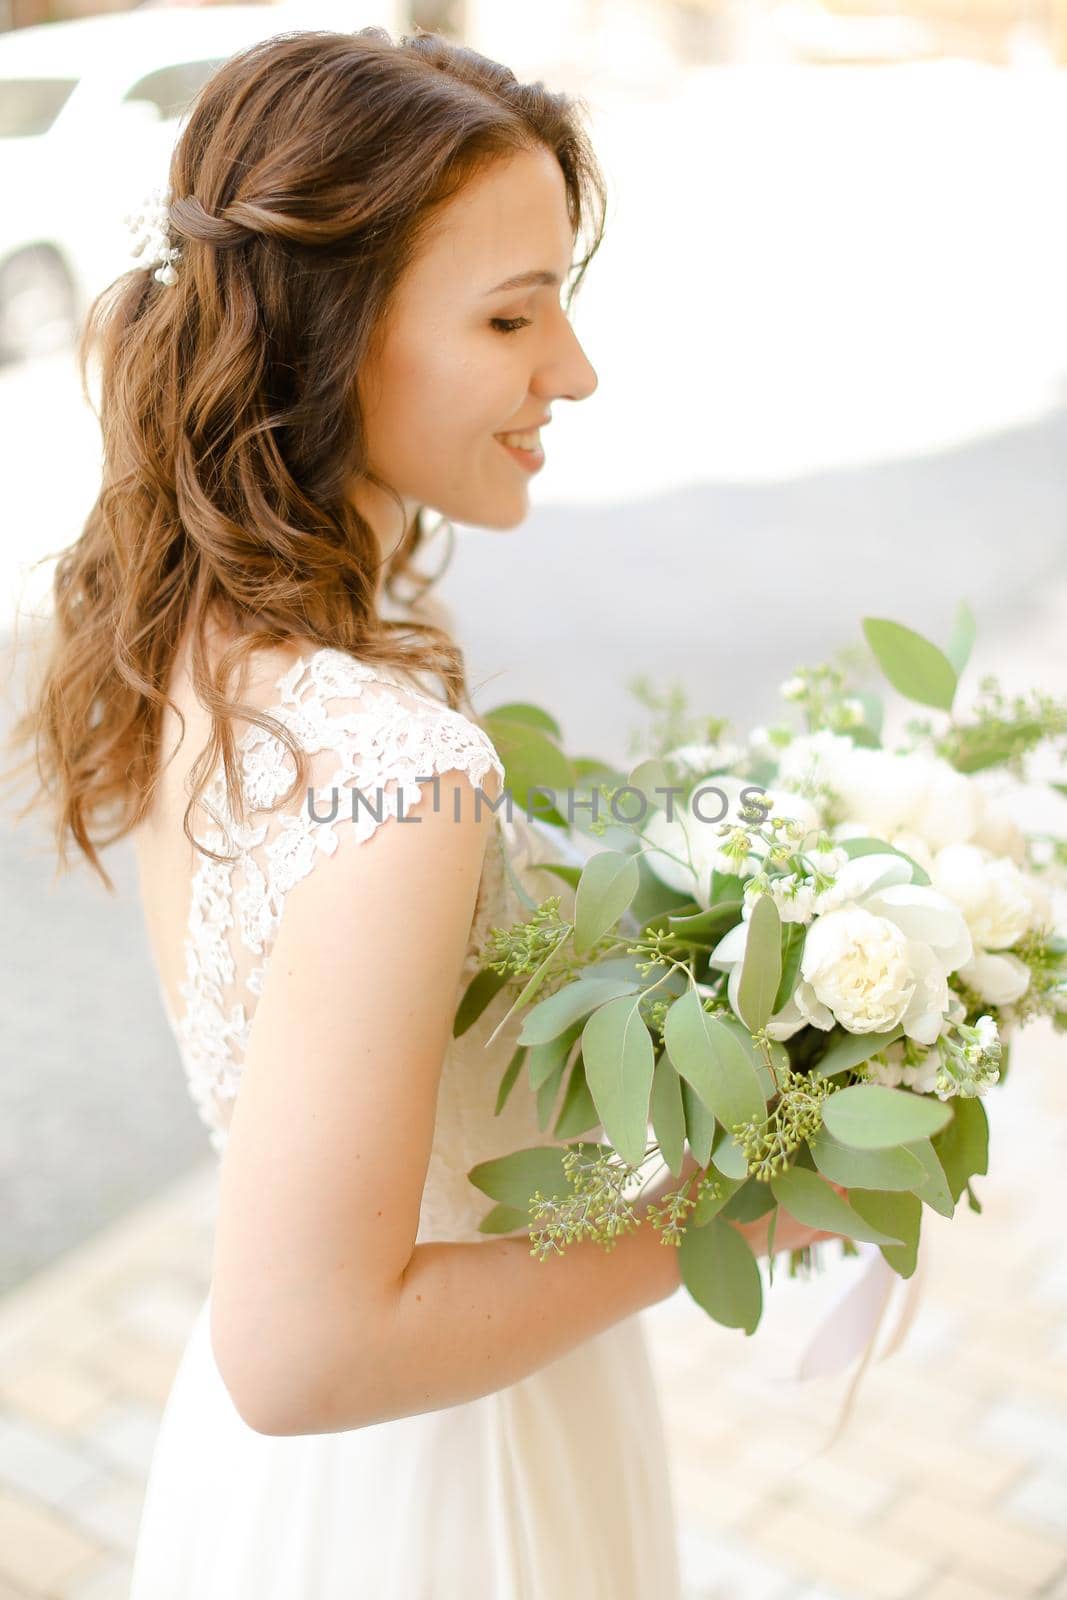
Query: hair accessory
151	237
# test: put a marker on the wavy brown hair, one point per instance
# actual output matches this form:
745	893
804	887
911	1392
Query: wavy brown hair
307	174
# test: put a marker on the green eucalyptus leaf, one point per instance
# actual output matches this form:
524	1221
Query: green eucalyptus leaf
709	1205
778	1053
934	1187
900	1214
654	897
793	935
962	1147
706	926
507	1082
619	1063
570	875
547	1096
503	1219
727	888
761	968
896	1168
512	1179
699	1123
607	887
729	1159
752	1201
477	995
869	1116
668	1113
722	1275
571	1004
649	775
578	1113
848	1050
916	668
526	712
534	765
810	1199
712	1059
546	1060
961	639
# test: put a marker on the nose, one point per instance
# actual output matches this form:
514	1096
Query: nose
572	375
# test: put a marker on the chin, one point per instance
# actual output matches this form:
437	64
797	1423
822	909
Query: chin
496	520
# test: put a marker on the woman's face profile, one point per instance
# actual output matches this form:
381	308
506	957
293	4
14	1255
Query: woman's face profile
448	377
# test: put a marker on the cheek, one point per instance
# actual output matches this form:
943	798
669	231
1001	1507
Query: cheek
438	403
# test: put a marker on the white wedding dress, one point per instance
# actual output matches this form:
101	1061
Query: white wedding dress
555	1485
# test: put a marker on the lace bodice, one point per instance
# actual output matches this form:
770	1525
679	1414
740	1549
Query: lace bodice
365	728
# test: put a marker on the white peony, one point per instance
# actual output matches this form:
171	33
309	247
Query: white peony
1001	904
919	793
859	968
997	979
997	830
883	794
877	955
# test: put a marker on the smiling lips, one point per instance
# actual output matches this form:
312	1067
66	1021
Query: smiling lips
529	454
524	444
530	440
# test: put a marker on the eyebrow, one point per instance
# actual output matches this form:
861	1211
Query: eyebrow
523	280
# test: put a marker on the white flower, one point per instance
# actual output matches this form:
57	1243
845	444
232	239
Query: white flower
867	973
877	955
915	847
997	979
923	1076
988	1033
999	902
794	898
889	1072
813	756
997	830
700	759
792	688
919	793
828	862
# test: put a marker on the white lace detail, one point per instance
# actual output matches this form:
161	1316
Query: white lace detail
367	729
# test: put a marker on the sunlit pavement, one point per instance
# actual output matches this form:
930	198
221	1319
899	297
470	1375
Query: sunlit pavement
828	323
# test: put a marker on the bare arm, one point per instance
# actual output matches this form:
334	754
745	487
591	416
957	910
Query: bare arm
325	1314
468	1319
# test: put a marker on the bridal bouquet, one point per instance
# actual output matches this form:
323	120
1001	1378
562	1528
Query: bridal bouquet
802	956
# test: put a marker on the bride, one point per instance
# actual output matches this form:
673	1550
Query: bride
351	314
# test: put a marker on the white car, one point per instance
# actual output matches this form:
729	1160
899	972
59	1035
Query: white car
89	114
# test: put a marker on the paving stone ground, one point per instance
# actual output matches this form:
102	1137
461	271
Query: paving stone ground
949	1482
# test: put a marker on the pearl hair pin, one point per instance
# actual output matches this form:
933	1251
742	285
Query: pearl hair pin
149	227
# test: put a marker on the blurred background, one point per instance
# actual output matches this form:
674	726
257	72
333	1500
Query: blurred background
830	327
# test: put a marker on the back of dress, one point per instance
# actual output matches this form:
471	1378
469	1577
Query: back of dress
373	742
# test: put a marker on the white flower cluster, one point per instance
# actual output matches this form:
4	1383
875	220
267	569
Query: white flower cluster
878	949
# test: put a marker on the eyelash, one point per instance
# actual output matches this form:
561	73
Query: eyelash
509	324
